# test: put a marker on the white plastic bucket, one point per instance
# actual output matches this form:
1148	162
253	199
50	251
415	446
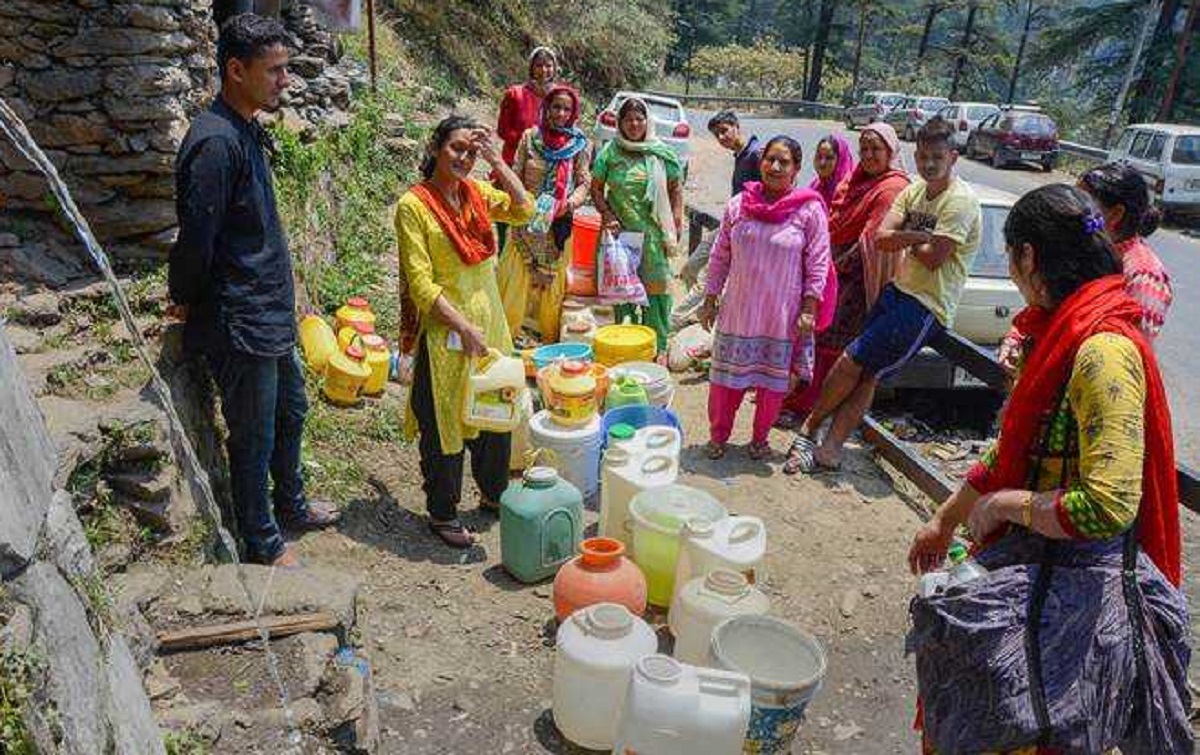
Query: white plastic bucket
573	451
673	708
596	649
659	516
786	666
656	379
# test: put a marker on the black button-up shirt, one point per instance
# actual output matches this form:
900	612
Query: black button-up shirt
230	265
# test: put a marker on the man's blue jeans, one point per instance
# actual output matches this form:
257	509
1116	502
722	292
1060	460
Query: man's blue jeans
263	401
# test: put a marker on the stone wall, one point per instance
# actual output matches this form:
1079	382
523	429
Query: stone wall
91	699
108	90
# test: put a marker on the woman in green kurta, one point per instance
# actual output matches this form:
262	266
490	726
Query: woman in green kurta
447	256
637	186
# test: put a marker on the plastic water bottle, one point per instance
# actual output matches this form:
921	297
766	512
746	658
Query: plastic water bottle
400	368
963	569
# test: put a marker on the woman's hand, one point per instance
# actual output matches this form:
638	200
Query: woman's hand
806	324
707	314
995	510
929	546
1009	355
473	341
481	139
610	223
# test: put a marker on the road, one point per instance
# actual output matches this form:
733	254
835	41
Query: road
1179	345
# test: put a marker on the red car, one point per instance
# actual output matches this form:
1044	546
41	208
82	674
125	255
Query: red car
1012	136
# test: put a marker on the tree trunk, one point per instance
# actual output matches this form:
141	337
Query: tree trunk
1115	114
930	15
864	15
1016	71
1181	59
1141	106
824	22
961	60
747	22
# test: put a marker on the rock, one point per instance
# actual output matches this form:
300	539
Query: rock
27	465
289	591
148	79
871	591
850	730
849	603
61	130
125	219
59	84
160	685
349	702
36	310
291	120
64	539
145	488
133	108
102	42
316	648
201	719
393	124
306	67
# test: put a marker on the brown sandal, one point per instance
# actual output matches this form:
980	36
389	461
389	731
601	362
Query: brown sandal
760	451
715	450
453	533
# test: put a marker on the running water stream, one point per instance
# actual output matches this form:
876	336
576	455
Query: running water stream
13	128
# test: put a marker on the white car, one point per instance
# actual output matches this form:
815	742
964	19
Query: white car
1168	156
989	302
667	116
966	117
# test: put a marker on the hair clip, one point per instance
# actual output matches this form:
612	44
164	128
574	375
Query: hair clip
1093	223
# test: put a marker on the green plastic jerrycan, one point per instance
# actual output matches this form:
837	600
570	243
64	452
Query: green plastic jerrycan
541	524
625	391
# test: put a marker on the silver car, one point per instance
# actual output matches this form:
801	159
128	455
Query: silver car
966	117
871	107
910	115
667	116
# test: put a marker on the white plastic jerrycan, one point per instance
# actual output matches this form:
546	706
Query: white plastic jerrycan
737	543
648	460
596	649
673	708
703	603
492	400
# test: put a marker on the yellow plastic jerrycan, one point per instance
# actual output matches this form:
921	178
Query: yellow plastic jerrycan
317	341
345	376
379	360
356	309
356	329
493	393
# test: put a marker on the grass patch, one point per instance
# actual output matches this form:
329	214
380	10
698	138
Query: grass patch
185	743
18	672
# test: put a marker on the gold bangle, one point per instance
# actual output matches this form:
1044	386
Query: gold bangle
1027	511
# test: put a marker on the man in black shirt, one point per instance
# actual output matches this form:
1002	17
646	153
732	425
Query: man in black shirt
747	153
231	277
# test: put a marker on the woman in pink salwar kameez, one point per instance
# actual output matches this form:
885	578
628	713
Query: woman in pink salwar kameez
766	277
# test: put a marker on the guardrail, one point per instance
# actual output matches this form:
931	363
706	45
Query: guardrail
981	364
1083	150
800	105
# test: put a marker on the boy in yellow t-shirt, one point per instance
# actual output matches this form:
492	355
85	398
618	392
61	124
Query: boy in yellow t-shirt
937	221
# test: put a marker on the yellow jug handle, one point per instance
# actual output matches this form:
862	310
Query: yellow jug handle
535	455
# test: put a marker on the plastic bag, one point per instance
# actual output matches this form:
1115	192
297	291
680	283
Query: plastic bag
618	280
689	348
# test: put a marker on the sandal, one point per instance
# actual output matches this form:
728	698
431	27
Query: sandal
453	533
714	450
801	456
760	450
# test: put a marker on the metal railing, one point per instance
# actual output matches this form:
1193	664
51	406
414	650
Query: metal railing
1083	150
960	352
802	106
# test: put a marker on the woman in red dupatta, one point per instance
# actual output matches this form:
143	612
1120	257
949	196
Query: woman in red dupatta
860	203
1085	450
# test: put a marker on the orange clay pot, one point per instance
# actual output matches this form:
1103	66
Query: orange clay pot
600	574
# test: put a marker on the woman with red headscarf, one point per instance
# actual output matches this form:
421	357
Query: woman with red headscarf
860	202
552	162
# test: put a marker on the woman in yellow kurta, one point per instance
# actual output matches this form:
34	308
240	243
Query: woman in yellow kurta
447	256
552	160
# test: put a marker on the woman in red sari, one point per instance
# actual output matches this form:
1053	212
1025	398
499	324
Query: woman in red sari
1084	460
859	206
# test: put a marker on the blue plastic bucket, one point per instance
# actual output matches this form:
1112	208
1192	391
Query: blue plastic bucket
639	416
554	352
786	666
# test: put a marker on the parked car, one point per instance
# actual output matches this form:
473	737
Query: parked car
911	114
871	107
989	302
667	117
1016	135
966	117
1168	155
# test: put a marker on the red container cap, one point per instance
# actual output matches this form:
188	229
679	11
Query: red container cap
354	351
358	302
362	328
574	367
374	342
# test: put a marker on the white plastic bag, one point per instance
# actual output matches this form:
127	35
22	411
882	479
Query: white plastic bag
619	282
689	349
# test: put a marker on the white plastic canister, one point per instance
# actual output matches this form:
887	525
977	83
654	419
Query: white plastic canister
672	708
648	460
596	650
705	602
574	451
737	543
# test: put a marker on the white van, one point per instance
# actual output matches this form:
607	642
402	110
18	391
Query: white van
1168	155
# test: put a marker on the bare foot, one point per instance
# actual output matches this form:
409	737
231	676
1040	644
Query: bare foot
287	560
